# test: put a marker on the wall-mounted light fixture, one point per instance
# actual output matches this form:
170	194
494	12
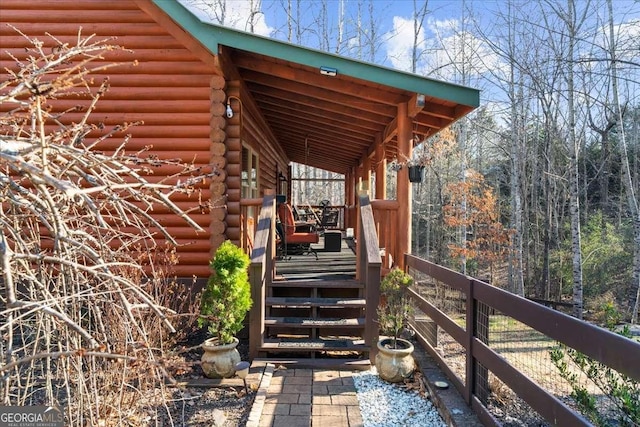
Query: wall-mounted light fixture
328	71
281	177
229	110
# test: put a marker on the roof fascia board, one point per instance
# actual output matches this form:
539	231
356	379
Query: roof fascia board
211	36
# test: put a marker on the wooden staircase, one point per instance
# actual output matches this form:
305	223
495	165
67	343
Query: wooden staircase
309	312
319	320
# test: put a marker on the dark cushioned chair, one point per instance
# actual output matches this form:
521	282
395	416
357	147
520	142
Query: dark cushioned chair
297	237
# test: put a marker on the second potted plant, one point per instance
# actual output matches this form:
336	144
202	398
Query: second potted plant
224	305
394	360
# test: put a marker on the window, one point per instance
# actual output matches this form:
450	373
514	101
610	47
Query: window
249	173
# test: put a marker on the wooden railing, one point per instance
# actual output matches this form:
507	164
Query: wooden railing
468	313
317	209
261	271
248	214
370	264
385	213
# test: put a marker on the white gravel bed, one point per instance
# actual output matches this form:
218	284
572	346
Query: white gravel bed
386	405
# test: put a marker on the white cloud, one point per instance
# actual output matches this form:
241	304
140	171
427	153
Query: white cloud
628	39
235	14
443	26
399	43
442	49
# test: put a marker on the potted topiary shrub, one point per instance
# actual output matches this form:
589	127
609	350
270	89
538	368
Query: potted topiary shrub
394	360
224	305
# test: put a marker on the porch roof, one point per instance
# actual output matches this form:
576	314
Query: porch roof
330	122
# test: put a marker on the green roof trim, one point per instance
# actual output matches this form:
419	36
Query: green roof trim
211	36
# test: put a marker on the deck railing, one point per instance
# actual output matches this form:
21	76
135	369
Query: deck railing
248	213
370	264
385	214
497	348
261	272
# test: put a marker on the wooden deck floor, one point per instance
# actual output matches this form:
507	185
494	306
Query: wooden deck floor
329	265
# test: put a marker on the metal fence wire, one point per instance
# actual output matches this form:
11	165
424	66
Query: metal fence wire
529	377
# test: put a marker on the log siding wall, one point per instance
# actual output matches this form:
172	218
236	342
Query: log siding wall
177	96
249	127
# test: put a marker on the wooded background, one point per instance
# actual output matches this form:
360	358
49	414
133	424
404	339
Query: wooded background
536	190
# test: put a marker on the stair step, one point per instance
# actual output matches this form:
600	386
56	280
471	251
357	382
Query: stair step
341	284
294	345
303	322
296	302
316	363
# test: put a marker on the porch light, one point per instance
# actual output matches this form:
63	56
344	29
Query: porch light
229	110
328	71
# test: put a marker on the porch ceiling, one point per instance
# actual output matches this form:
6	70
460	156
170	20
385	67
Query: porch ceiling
337	119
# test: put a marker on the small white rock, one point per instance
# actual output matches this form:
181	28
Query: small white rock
383	404
219	418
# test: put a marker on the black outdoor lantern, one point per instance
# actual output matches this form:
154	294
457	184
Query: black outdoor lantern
415	173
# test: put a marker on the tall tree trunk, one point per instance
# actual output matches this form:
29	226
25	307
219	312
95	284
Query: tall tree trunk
574	175
516	278
626	170
546	270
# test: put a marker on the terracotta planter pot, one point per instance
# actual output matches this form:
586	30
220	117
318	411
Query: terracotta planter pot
219	361
394	365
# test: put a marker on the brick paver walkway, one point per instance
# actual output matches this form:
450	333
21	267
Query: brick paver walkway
305	397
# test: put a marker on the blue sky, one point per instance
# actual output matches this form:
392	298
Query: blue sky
440	40
393	20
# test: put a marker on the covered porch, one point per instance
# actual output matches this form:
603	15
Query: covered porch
298	105
341	116
283	104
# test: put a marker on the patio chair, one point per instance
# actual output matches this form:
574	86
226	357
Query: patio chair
296	237
329	216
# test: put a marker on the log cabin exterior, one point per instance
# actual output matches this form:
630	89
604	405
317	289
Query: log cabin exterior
187	72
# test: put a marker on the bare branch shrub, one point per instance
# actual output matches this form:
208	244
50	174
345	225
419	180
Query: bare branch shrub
81	324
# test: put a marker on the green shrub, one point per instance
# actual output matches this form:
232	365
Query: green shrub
227	296
393	314
623	391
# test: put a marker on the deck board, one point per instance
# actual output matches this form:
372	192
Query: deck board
315	302
302	322
329	265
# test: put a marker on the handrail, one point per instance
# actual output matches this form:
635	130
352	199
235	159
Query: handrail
385	213
260	272
370	269
247	222
608	348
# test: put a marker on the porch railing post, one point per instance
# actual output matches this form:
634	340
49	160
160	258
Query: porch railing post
260	273
256	314
370	267
470	326
477	381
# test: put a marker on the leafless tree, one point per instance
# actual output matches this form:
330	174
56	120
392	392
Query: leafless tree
77	310
632	197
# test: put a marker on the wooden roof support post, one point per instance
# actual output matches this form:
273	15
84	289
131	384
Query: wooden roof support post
381	169
348	198
405	146
366	176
